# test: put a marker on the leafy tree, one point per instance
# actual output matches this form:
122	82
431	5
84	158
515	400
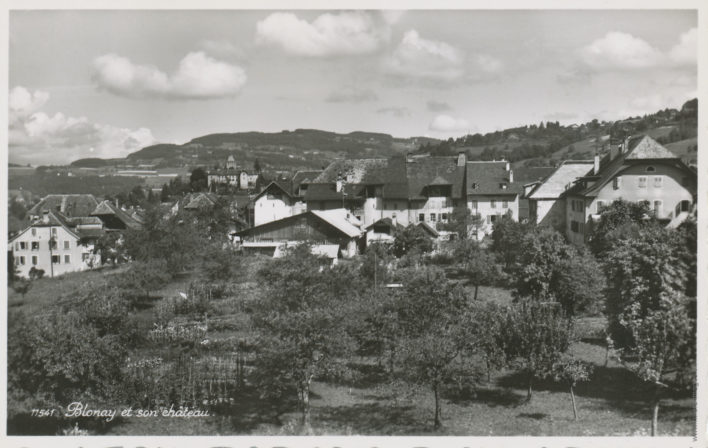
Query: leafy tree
110	248
538	334
539	253
198	179
432	338
299	324
257	166
489	335
641	269
21	286
411	241
146	276
475	263
578	284
616	220
459	221
507	235
375	263
663	345
689	254
572	371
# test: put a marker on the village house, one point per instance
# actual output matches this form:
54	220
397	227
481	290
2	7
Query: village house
319	227
56	245
69	205
115	218
382	231
638	170
282	198
546	198
492	193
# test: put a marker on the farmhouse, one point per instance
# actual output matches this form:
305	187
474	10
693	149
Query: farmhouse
69	205
56	245
492	192
330	227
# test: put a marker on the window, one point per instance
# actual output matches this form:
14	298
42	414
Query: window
34	259
432	217
395	206
35	245
52	244
34	232
56	259
54	231
22	261
67	244
444	216
642	181
492	218
505	204
421	217
651	169
67	259
474	204
574	226
658	181
657	208
493	203
685	206
17	246
600	206
23	245
617	183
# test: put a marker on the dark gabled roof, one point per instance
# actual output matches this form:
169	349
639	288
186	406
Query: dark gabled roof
108	208
275	185
385	221
304	177
641	148
526	175
429	229
197	201
71	205
338	219
53	219
490	178
355	171
356	174
431	171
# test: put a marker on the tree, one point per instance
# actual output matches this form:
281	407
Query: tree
487	324
147	276
198	179
539	253
430	313
257	166
110	248
459	221
507	235
571	371
375	263
475	263
578	284
21	286
538	334
299	323
620	217
411	241
663	344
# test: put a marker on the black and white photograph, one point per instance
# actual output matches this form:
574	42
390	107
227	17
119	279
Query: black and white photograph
288	221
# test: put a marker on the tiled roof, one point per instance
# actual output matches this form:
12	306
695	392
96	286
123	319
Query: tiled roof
200	200
639	148
490	178
525	175
70	205
275	185
341	219
108	208
385	221
561	179
356	174
304	177
429	171
355	171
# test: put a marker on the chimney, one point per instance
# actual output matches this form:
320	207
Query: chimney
339	182
63	204
45	216
461	158
117	205
511	176
596	165
507	166
394	220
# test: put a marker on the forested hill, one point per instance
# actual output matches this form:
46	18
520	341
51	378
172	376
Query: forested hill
286	149
547	143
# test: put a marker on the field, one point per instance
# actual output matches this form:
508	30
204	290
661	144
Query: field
613	402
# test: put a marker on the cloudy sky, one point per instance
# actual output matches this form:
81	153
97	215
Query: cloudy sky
106	83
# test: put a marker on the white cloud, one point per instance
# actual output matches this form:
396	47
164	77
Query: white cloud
620	50
39	138
346	33
198	77
352	94
446	123
418	57
22	102
686	51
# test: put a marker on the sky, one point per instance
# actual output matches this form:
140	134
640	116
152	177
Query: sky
107	83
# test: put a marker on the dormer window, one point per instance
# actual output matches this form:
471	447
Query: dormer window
651	169
502	186
474	185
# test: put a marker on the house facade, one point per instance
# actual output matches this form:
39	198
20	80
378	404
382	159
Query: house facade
491	193
638	170
55	245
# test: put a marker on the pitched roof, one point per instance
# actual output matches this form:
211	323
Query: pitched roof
428	228
342	219
384	221
53	219
356	174
431	171
355	171
304	177
561	179
490	178
274	185
70	205
108	208
200	200
645	147
638	148
528	174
